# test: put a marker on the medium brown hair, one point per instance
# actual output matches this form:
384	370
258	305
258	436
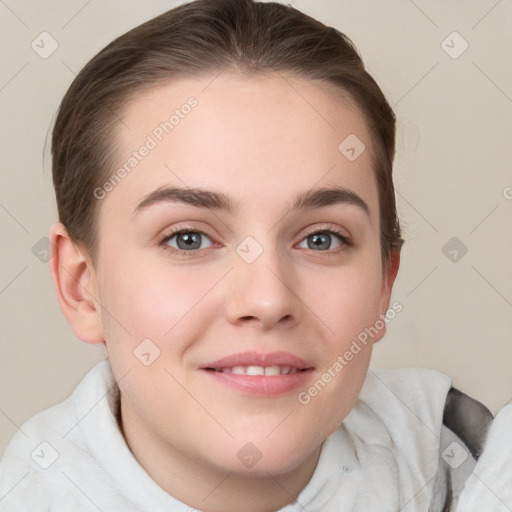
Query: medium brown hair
197	38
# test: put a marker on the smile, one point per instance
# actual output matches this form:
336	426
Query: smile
258	370
253	373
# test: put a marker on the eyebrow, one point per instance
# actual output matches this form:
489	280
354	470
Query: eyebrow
198	197
202	198
320	197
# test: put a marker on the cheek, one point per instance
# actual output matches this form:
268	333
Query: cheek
153	301
348	307
346	301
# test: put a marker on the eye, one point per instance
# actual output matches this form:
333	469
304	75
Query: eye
324	240
187	240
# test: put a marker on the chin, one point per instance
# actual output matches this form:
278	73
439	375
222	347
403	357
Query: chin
259	458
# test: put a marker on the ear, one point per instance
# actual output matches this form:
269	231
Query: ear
74	279
390	272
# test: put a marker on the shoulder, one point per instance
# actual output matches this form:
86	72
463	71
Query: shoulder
489	487
456	425
404	380
407	396
435	431
59	422
25	468
45	444
402	412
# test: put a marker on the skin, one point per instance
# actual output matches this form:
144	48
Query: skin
261	140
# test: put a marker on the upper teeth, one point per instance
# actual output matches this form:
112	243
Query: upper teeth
260	370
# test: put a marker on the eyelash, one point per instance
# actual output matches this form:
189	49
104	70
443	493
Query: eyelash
344	240
182	252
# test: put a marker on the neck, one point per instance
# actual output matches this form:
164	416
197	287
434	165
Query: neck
208	488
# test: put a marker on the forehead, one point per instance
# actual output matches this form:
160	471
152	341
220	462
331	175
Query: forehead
245	135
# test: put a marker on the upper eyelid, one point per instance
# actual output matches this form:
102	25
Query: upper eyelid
330	228
178	231
187	226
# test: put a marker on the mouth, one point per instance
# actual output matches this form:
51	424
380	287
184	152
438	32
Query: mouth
259	370
254	373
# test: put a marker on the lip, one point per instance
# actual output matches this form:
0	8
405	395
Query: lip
251	358
260	385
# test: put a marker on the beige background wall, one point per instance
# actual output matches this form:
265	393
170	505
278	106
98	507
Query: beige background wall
453	176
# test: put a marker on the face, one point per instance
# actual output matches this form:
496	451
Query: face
238	260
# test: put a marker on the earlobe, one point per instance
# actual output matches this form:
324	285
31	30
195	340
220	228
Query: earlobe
388	280
74	279
392	270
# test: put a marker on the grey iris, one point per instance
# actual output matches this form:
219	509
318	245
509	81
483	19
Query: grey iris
189	240
319	241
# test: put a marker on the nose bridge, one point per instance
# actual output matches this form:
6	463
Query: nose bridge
261	286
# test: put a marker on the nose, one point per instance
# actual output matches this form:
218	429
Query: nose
263	293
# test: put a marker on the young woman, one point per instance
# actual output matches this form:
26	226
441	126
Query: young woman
228	229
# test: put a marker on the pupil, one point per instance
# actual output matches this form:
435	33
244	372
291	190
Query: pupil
189	241
320	241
